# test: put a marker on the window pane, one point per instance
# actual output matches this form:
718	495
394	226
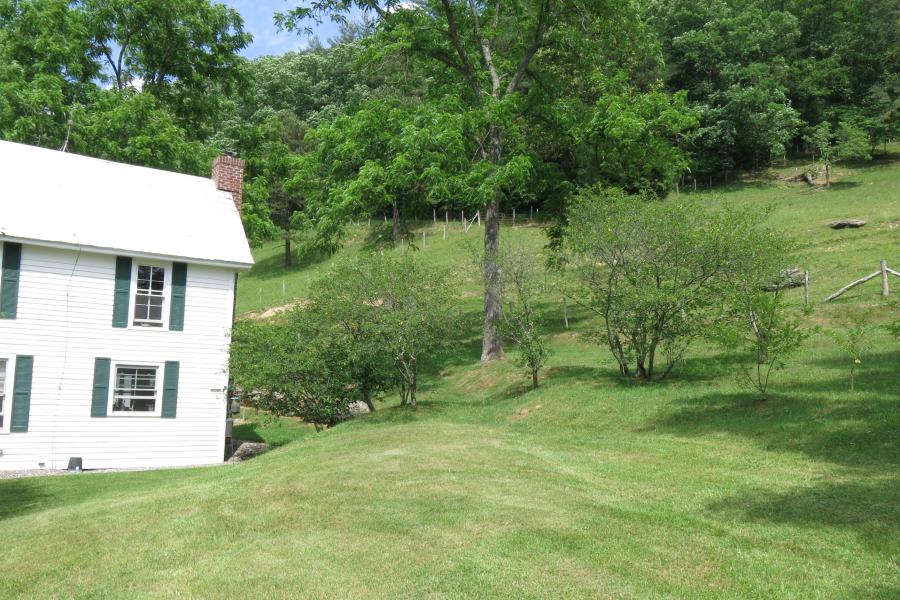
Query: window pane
157	279
135	389
155	313
143	278
141	311
148	300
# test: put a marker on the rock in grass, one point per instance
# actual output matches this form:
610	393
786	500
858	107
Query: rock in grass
244	450
847	224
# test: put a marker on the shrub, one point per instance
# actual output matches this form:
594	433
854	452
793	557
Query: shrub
284	366
659	272
854	342
522	281
764	334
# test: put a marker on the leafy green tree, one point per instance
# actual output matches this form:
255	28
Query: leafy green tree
420	314
847	143
349	306
488	57
523	281
316	85
387	157
45	70
761	71
633	139
657	272
185	52
764	334
131	127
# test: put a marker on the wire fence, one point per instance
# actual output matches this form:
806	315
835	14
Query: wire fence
456	220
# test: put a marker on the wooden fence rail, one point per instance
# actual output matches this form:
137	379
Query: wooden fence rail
883	270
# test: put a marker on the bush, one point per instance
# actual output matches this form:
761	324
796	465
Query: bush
521	323
659	272
764	334
366	330
854	342
285	367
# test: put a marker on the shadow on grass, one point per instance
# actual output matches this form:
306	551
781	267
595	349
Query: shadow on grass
857	430
876	592
247	432
273	267
870	508
22	496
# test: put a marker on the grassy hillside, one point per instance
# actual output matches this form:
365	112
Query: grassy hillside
586	487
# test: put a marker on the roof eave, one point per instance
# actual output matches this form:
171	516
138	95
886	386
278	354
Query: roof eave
240	266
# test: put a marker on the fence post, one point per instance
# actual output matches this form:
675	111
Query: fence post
565	312
434	215
805	288
423	240
531	213
514	217
478	216
462	218
885	286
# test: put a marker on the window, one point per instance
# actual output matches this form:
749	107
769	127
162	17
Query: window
149	296
3	363
135	389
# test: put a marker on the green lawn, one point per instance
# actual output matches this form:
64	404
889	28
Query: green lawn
586	487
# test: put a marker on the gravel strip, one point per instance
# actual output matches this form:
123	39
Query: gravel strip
242	451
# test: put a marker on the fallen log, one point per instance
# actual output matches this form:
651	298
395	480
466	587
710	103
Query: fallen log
788	278
847	224
805	177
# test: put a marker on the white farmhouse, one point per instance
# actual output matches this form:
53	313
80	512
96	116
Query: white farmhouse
116	303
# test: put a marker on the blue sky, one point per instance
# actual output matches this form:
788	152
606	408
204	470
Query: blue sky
258	20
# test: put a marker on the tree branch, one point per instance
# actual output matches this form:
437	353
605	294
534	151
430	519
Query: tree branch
486	50
537	40
468	70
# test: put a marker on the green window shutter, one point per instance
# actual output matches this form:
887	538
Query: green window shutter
21	406
123	291
100	396
179	286
9	280
170	390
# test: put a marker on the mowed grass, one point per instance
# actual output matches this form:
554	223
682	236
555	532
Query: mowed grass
589	487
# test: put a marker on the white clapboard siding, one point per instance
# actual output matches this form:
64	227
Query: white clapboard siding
65	321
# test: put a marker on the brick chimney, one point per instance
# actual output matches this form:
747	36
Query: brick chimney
228	174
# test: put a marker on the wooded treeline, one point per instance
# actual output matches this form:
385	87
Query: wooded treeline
382	120
453	104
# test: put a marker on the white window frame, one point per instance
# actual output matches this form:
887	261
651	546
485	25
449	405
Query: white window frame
167	294
133	364
8	390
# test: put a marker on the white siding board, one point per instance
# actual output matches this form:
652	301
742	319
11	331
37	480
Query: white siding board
65	321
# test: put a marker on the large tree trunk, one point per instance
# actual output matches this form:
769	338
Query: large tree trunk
366	391
288	255
492	343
